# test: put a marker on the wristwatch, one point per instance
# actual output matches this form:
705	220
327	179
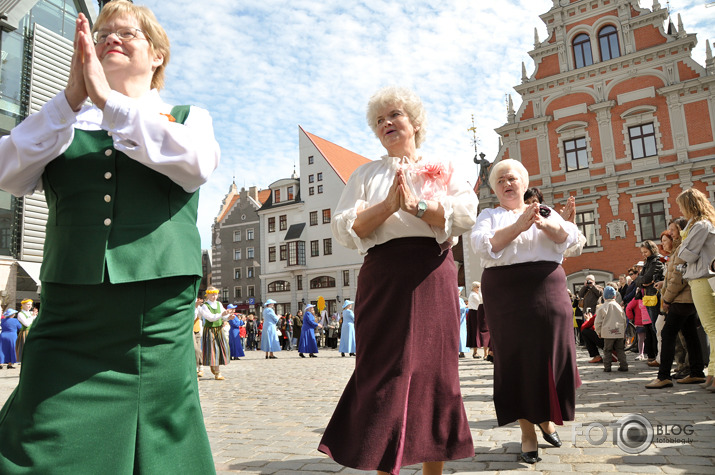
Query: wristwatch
421	208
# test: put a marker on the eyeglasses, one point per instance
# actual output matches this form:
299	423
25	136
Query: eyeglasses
124	34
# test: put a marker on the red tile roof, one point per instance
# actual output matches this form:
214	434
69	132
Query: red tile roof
263	196
343	161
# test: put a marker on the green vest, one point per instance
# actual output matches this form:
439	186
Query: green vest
218	322
111	215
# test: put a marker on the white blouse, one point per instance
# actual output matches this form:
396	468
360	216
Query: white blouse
140	128
206	314
530	246
369	185
475	299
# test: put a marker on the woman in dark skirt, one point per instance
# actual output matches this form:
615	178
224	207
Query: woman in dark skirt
403	403
527	308
477	330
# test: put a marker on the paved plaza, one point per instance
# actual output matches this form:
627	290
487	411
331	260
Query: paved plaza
267	417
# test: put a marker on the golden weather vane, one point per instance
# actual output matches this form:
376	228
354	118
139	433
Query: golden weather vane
473	130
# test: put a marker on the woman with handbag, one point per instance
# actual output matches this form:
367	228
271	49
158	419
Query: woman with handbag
652	272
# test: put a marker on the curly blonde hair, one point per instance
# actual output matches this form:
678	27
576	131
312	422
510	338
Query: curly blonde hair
399	96
695	205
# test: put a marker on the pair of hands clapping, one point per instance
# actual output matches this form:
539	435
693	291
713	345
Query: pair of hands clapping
87	78
400	196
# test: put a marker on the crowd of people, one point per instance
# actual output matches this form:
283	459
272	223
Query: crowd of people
129	344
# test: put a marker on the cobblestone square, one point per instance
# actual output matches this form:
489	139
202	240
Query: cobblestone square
267	418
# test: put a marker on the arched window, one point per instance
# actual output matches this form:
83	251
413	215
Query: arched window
279	286
322	282
608	41
582	50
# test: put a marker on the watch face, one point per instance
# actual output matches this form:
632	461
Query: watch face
422	206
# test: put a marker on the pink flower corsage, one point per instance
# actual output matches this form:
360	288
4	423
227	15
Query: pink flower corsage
436	177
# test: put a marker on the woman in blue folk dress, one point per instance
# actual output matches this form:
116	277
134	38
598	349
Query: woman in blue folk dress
462	327
10	326
269	338
307	334
347	332
234	337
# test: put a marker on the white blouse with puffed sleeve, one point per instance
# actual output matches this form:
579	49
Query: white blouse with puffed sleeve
431	180
530	246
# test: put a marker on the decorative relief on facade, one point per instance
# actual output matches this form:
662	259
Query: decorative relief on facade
617	229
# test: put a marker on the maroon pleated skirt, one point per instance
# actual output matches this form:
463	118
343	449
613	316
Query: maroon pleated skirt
403	403
530	321
477	329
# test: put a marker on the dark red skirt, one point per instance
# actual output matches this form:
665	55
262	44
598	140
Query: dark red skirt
403	403
477	329
530	320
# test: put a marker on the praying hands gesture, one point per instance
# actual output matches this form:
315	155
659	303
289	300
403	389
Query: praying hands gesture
87	78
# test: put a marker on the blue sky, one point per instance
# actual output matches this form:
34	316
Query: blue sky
263	68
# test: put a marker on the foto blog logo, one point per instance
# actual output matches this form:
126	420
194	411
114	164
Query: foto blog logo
633	433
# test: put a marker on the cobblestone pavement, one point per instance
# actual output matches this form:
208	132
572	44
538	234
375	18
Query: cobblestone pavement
268	415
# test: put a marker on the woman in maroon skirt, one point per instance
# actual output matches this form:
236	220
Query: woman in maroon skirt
403	404
477	330
527	308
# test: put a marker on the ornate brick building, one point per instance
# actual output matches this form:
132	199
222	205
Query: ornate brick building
619	115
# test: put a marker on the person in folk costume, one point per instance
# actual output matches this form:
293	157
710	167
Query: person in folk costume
347	332
269	339
462	325
521	249
25	316
197	331
307	342
213	347
10	326
121	177
235	344
404	212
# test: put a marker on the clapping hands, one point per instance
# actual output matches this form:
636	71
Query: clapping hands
87	78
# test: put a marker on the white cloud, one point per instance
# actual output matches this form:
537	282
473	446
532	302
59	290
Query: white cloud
262	68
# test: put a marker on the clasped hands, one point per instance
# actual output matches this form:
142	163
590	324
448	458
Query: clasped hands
87	78
400	195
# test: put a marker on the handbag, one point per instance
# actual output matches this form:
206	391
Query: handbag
278	332
650	300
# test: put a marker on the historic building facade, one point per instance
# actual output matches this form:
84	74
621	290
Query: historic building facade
36	40
301	261
236	246
619	115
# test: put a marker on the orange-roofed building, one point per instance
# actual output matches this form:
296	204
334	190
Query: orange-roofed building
235	247
619	115
299	259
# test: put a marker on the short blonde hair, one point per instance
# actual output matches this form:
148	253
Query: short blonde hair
153	31
405	98
512	164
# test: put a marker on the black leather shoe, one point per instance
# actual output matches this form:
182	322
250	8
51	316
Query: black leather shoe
301	355
342	355
530	457
552	439
312	355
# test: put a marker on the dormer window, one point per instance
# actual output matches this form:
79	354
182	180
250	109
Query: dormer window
582	51
277	196
608	41
290	193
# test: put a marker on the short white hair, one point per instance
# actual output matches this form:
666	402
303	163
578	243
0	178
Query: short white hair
476	283
407	99
511	164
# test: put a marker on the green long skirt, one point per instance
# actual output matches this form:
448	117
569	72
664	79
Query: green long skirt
108	384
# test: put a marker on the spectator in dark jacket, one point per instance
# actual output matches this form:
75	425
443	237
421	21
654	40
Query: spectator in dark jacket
590	293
